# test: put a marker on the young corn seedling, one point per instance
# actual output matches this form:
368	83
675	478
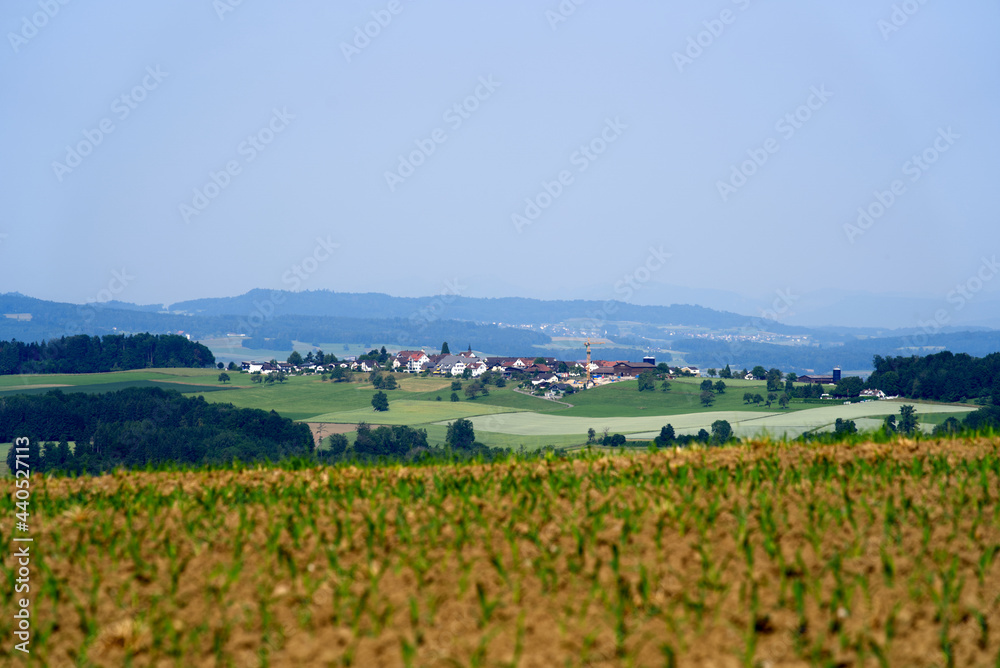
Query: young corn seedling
486	605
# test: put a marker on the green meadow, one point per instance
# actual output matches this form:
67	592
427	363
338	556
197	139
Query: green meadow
187	376
622	399
506	417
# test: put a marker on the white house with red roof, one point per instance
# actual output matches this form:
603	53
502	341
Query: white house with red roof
410	361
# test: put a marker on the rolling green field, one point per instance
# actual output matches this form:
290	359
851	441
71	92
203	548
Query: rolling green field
409	412
300	398
183	388
505	418
624	400
188	376
744	423
311	399
822	418
436	436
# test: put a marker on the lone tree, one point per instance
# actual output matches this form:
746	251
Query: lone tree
707	398
722	431
461	434
295	358
223	377
774	377
720	387
380	402
666	437
646	381
591	435
444	349
907	419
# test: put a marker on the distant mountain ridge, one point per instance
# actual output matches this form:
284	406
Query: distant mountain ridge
506	310
322	317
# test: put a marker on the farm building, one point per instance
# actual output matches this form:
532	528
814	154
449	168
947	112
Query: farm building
824	380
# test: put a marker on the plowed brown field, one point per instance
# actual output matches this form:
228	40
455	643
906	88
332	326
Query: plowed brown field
878	554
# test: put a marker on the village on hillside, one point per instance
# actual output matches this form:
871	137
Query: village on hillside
544	373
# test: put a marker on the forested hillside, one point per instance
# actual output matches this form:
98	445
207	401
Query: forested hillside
94	354
940	377
142	426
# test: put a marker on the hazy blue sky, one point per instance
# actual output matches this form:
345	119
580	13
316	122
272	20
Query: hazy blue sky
724	145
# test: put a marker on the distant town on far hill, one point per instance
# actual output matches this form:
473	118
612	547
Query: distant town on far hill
234	328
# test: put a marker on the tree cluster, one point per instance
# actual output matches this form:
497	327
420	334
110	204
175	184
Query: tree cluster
268	378
397	441
318	357
849	386
611	440
804	390
986	418
339	374
96	354
383	382
373	355
405	444
476	388
668	437
138	427
942	376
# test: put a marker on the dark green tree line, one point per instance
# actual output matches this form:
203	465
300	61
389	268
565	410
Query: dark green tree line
95	354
